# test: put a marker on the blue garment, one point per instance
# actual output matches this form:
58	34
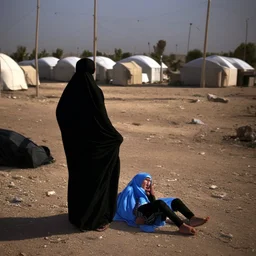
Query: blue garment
128	198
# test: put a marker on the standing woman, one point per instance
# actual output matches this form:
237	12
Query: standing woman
91	145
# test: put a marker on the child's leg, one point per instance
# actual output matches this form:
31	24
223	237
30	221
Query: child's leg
178	205
150	210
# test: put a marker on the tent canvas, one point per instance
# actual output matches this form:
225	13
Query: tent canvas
12	76
127	73
30	75
104	68
65	69
148	65
45	66
219	72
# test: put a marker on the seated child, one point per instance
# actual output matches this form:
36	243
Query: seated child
137	205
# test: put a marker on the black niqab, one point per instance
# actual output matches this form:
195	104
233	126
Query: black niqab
91	145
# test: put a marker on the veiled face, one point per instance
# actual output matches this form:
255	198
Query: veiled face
85	65
146	185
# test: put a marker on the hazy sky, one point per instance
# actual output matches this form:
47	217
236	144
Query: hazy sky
129	25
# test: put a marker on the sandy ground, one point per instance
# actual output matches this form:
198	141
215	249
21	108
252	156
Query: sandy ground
184	159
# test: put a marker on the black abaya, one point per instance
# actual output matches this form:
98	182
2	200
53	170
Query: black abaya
91	145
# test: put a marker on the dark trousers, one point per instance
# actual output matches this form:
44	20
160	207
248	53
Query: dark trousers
159	207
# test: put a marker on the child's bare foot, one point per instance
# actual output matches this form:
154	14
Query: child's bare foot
187	230
196	221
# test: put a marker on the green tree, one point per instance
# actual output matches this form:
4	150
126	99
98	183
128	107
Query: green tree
118	54
194	54
32	55
250	56
20	54
98	53
86	54
126	55
159	49
42	54
58	53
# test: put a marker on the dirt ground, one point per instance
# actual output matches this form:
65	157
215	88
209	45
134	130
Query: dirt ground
185	160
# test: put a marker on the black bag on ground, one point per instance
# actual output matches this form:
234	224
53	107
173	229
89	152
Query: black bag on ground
19	151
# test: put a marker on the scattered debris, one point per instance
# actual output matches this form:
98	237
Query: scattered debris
51	193
16	200
245	133
17	177
196	121
11	185
136	124
195	101
251	110
214	98
219	195
227	235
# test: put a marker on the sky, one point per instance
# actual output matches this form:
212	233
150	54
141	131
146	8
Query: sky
129	25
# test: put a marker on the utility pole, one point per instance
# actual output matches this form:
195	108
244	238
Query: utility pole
246	36
95	36
161	68
205	44
36	48
190	24
148	48
0	78
176	48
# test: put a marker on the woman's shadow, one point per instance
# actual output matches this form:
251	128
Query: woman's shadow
21	228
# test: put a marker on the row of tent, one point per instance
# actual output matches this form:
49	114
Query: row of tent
138	69
51	68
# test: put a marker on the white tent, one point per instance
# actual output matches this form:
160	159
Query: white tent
12	76
219	72
45	66
65	69
104	68
148	65
239	64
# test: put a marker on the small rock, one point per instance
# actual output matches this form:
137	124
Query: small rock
16	200
159	245
100	237
202	153
214	98
227	235
219	195
11	185
22	254
51	193
213	187
195	101
17	177
196	121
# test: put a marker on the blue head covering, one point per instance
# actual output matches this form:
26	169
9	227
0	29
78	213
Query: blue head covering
127	200
128	197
